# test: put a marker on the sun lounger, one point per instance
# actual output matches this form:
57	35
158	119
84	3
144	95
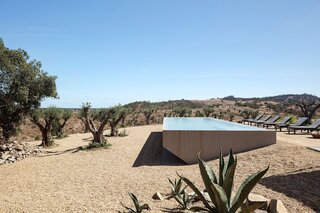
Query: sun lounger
299	122
263	119
273	119
252	119
313	127
284	121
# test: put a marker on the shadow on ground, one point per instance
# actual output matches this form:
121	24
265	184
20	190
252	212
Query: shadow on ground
304	186
52	153
153	154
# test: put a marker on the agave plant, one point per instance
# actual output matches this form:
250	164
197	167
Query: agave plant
220	188
179	193
183	199
177	187
138	208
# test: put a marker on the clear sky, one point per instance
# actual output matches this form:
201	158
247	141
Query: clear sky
110	52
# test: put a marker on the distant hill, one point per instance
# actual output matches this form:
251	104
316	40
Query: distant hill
165	104
289	98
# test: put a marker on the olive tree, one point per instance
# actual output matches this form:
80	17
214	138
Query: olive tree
44	119
208	111
82	115
23	85
182	111
65	115
308	109
116	114
102	116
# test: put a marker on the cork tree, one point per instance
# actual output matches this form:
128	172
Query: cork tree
23	85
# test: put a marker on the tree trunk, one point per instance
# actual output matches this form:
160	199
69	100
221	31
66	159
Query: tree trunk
98	137
86	127
113	131
46	137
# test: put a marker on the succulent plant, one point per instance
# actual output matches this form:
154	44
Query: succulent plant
220	188
184	199
179	193
138	208
177	187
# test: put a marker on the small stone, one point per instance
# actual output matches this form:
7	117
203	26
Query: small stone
5	156
18	147
157	196
254	198
3	147
260	211
276	206
2	161
12	159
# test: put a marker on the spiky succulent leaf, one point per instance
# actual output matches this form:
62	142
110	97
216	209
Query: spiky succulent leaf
229	178
201	197
135	201
245	188
208	177
221	199
199	209
221	168
145	207
229	163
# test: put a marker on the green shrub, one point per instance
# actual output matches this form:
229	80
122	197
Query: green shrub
123	133
94	145
293	119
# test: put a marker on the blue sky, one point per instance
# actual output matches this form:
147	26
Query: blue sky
110	52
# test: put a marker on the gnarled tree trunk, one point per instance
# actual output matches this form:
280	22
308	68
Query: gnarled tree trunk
308	109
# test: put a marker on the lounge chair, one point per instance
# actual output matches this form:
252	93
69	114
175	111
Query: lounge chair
252	119
263	119
299	122
284	121
273	120
313	127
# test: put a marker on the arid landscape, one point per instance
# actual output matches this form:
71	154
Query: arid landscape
159	106
67	180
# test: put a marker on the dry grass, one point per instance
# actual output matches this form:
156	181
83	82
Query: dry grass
67	180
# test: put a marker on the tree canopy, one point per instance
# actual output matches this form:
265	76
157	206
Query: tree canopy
23	85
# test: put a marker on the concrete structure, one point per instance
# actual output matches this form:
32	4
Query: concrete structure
187	142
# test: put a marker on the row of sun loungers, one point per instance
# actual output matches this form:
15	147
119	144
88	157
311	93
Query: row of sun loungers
268	120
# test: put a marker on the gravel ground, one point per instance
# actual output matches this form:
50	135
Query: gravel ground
67	180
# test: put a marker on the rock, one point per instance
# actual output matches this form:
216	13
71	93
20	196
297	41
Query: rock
260	211
18	147
3	147
5	155
15	151
12	159
276	206
157	196
253	198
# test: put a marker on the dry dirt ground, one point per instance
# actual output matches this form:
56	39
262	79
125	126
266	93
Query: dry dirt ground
67	180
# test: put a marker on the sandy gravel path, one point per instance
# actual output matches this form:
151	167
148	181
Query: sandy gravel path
65	180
